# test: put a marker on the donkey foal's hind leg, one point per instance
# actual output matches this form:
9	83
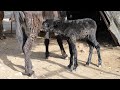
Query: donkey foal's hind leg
97	46
91	47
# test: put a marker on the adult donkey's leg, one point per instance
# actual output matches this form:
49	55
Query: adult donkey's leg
2	36
26	49
60	43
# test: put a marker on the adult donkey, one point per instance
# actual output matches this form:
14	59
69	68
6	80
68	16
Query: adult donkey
29	24
2	36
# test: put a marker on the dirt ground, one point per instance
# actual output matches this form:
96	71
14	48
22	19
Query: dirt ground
12	61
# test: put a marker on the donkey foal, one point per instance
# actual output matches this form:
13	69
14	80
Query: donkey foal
80	29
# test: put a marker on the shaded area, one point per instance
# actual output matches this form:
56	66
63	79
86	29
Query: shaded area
103	35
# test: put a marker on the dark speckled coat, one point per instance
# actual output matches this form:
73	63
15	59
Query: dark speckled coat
81	28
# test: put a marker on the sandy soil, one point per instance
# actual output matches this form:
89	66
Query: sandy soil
12	61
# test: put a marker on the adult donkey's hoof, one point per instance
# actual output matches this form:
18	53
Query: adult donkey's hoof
28	73
2	37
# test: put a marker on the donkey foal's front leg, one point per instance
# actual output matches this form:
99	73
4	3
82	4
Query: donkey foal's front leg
91	47
60	43
46	42
73	55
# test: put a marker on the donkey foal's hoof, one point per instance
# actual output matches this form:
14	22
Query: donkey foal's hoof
72	67
69	66
47	55
64	56
99	66
87	64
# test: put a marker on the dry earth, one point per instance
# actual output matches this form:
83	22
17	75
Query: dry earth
12	61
